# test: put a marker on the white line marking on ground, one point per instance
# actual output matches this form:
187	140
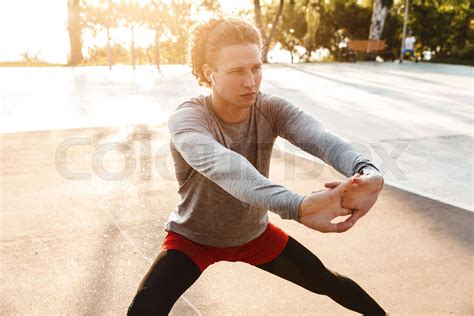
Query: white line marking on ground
145	257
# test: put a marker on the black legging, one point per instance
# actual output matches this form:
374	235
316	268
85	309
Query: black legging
173	273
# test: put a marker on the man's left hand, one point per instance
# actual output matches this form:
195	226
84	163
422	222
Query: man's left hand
361	194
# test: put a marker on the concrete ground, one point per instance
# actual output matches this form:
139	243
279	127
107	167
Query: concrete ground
74	247
415	121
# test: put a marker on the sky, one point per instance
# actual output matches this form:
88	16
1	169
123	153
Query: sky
40	28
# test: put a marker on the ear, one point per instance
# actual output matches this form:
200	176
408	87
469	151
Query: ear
207	69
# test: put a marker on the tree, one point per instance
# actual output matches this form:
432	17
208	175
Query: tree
211	6
155	19
179	26
341	18
267	40
293	26
381	9
312	18
172	21
132	15
442	26
102	16
75	31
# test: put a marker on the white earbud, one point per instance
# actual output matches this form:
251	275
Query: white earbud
213	80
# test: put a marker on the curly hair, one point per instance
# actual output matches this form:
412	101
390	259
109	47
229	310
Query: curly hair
209	37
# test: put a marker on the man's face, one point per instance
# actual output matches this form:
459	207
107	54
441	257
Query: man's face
238	74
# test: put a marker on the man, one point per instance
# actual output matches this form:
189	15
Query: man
221	146
410	46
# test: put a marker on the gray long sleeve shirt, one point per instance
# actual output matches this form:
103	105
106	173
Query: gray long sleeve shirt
222	169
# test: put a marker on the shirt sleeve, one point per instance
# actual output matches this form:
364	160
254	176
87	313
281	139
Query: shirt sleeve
307	133
191	137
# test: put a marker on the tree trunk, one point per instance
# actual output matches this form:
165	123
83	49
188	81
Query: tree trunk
273	30
380	11
109	49
157	48
258	20
313	18
74	28
132	48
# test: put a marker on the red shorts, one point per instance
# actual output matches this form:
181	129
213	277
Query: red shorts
258	251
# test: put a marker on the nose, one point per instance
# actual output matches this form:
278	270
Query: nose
249	80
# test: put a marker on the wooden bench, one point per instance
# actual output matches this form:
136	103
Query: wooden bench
369	49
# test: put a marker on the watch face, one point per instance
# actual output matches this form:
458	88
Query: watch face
368	170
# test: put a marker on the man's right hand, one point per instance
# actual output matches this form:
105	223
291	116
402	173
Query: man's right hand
319	208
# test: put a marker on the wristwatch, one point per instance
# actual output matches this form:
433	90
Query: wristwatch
368	170
372	170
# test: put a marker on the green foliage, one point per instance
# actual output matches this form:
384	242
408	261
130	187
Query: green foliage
317	23
443	26
292	27
343	17
170	20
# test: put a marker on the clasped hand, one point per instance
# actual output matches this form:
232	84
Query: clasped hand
354	197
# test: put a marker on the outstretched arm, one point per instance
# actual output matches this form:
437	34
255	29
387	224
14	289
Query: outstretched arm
235	174
190	136
238	176
304	131
307	133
